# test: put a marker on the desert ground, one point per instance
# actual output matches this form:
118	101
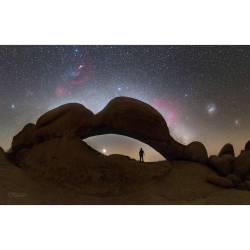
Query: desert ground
183	183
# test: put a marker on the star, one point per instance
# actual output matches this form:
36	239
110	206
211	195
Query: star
237	123
211	108
13	106
104	150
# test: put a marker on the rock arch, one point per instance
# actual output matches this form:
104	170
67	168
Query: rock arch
122	115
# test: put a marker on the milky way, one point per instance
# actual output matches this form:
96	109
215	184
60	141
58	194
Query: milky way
203	92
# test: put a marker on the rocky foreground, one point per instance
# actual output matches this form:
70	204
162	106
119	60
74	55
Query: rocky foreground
50	164
176	182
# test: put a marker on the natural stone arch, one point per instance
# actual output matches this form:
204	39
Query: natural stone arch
136	119
122	115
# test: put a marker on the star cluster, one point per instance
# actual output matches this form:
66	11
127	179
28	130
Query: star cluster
203	92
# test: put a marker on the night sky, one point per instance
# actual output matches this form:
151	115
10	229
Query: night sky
202	91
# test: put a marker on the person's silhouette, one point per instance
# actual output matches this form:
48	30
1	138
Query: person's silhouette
141	154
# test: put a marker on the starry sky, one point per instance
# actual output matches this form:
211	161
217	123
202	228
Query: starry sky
203	92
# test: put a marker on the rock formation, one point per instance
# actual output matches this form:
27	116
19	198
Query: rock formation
25	138
242	164
235	169
247	146
122	115
244	185
196	152
38	145
227	149
71	163
1	150
235	179
53	150
223	165
221	181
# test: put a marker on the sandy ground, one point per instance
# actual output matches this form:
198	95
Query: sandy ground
184	184
16	187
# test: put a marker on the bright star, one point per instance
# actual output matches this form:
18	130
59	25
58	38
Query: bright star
237	123
13	106
211	108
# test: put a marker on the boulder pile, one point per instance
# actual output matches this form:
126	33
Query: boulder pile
231	169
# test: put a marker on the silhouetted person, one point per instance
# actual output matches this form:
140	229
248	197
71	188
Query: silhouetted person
141	153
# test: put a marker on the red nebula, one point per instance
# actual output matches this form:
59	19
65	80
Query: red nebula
166	108
61	91
83	72
80	81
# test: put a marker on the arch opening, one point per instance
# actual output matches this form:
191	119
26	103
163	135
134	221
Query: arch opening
109	144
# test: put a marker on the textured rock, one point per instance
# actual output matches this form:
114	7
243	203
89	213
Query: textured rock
244	185
132	117
25	138
2	155
63	120
70	162
247	146
227	149
223	165
136	119
220	181
242	164
197	152
247	177
235	179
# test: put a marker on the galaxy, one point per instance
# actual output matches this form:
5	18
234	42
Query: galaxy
203	92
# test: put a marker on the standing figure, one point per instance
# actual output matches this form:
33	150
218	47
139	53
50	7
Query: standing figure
141	154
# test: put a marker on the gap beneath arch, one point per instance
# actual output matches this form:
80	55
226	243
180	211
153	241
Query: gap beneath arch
118	144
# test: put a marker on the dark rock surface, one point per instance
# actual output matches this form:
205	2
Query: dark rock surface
63	120
247	146
1	150
227	149
221	181
244	185
184	182
70	162
235	179
223	165
242	164
25	138
196	152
